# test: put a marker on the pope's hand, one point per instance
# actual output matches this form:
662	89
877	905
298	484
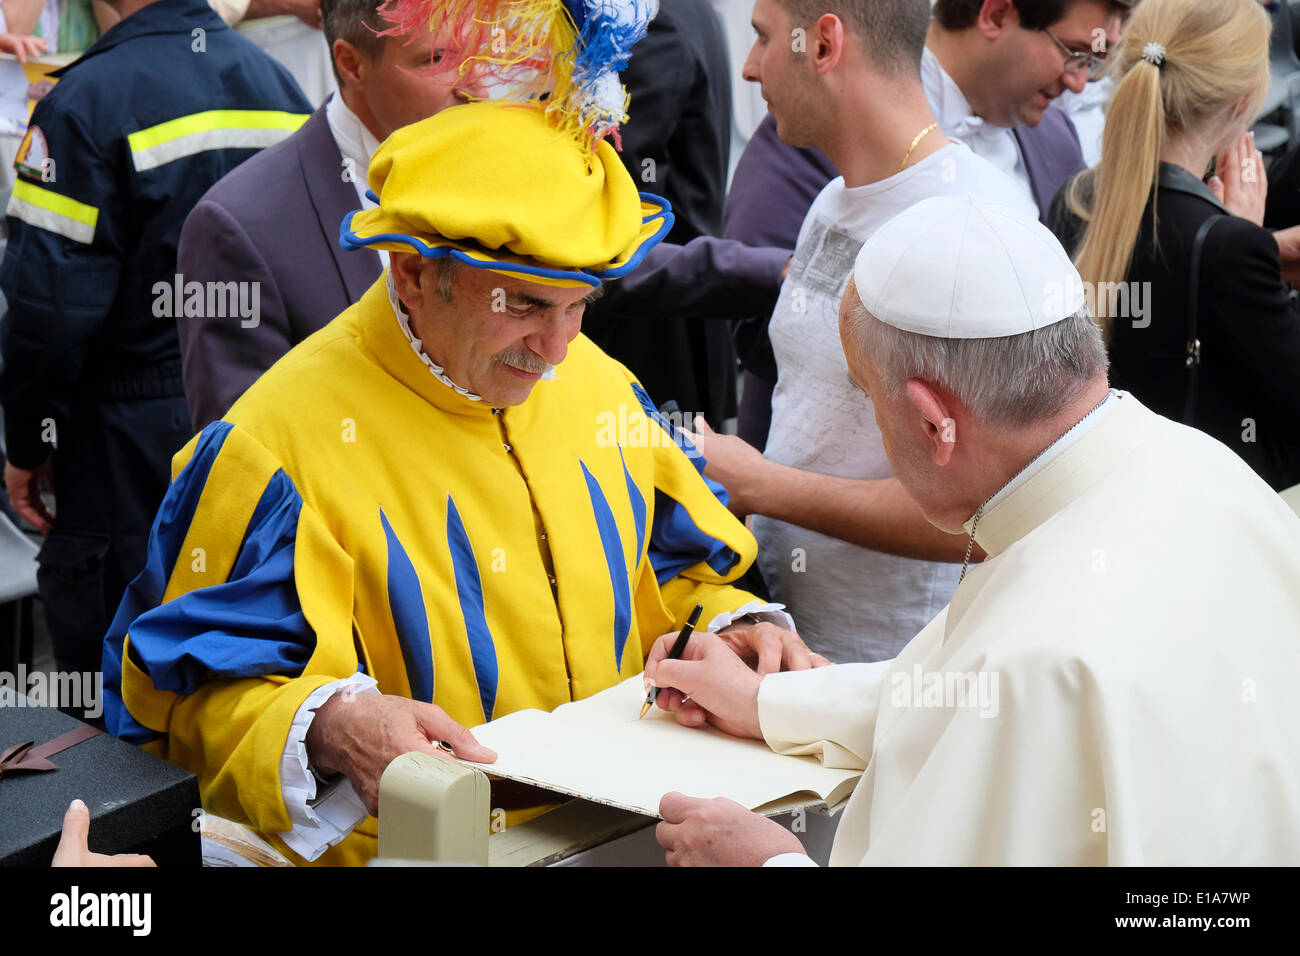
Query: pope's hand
732	462
719	832
73	849
768	648
360	735
721	687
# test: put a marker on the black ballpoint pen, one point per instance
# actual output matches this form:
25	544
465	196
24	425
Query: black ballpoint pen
679	646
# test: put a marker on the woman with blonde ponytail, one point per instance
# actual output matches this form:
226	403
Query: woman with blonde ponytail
1182	276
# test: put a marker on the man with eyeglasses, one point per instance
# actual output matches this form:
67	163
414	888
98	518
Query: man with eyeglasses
992	67
1087	110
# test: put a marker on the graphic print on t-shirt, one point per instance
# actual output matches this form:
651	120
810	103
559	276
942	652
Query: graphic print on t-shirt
824	262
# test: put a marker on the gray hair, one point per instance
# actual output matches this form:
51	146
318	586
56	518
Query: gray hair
1008	382
447	269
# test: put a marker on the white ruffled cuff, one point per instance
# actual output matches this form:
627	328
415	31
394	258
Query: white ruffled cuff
791	859
775	613
321	821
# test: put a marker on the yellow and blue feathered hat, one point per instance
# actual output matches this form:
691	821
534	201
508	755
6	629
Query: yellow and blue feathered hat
526	185
495	185
567	53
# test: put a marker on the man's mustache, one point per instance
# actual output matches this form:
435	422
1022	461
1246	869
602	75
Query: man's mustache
526	360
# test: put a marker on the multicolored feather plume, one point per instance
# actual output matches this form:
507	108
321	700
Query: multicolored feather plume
567	53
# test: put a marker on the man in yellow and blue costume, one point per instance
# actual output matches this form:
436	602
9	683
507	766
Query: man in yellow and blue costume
418	504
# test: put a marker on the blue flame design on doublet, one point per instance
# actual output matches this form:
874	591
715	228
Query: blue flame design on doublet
612	543
410	620
469	590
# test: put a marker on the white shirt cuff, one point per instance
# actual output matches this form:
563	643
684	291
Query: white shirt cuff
321	821
791	859
775	613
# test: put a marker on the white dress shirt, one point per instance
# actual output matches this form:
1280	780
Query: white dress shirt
356	144
996	144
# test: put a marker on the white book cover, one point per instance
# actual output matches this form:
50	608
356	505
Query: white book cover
598	750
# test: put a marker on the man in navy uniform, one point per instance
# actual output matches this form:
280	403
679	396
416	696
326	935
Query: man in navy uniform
162	106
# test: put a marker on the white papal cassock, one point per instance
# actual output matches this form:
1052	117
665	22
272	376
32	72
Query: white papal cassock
1137	626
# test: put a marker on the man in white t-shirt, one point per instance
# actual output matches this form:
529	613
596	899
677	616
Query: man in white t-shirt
839	541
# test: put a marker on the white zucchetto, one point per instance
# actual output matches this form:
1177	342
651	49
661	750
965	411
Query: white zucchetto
961	267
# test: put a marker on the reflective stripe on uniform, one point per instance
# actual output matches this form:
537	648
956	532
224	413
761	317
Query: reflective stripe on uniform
48	210
214	129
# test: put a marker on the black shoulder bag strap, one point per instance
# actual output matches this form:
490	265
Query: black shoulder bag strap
1193	308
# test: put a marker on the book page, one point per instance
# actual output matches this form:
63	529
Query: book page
596	749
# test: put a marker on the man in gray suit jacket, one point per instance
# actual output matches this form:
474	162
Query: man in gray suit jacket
275	220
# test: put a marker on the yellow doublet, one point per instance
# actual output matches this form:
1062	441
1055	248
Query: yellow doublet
353	511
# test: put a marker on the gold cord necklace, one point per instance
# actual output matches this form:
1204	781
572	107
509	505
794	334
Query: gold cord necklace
919	136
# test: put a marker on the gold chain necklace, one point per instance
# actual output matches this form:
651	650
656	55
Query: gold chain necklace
919	136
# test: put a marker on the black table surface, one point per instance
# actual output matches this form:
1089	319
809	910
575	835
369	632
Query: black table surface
138	803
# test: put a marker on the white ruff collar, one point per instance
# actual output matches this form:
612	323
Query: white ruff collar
438	372
404	320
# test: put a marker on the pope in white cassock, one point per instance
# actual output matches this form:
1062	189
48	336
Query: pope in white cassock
1117	682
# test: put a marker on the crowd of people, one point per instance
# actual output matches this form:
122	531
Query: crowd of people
317	389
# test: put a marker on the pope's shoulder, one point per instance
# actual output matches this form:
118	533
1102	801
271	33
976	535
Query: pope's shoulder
1158	556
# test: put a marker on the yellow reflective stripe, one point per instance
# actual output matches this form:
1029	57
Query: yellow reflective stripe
48	210
214	119
213	129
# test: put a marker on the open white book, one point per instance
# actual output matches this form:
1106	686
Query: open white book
596	749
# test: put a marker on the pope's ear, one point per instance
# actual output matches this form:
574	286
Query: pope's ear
936	420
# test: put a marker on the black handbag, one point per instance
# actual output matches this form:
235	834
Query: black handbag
1193	360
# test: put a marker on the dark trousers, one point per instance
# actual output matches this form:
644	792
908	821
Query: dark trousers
111	470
